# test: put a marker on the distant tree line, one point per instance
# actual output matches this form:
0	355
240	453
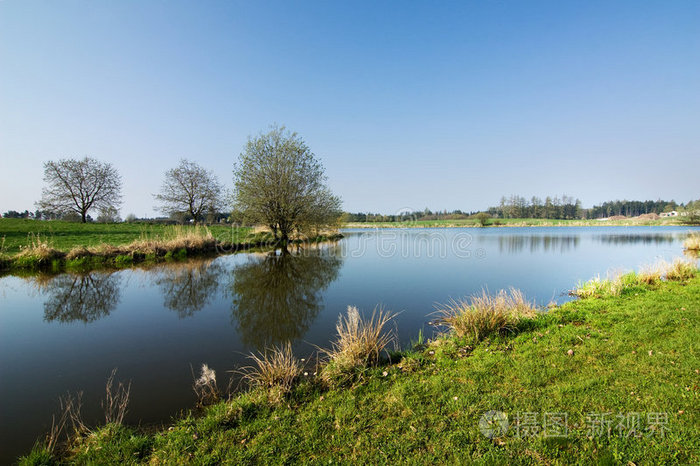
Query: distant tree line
552	207
632	208
425	214
515	206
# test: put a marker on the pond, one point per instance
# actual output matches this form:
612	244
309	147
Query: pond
66	333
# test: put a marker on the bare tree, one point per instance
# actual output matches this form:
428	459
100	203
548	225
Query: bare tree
280	183
79	186
190	189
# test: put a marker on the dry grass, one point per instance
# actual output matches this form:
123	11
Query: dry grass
116	400
681	269
359	344
178	237
651	274
70	410
276	368
37	249
197	238
692	242
205	386
678	270
485	314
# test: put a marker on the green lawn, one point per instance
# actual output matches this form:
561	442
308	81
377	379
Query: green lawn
634	362
17	233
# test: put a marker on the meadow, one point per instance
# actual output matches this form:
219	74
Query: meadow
16	234
54	246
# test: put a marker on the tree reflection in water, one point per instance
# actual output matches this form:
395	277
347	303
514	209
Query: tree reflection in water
277	297
80	297
189	286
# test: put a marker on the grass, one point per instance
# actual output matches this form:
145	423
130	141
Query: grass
32	245
274	370
359	344
692	242
678	270
484	315
620	375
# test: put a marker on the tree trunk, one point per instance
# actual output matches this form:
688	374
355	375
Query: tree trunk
83	216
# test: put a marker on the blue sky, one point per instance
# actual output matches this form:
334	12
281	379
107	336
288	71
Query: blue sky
408	104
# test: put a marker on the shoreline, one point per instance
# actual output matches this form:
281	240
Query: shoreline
512	223
624	348
41	258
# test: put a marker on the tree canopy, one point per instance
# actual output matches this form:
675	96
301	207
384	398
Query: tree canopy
191	190
79	186
280	183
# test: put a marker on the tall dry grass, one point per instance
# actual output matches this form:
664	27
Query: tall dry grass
116	400
679	269
275	368
692	242
483	315
359	343
37	249
205	386
177	237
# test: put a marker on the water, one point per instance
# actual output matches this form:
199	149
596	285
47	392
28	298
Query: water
66	333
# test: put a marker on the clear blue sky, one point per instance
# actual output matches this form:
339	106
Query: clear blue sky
408	104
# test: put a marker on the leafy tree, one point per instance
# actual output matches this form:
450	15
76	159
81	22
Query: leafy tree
483	218
109	215
78	186
190	190
278	182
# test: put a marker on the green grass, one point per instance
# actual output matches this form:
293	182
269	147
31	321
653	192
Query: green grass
30	246
64	236
636	352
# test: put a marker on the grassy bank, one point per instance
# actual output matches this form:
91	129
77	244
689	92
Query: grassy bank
610	379
516	222
55	246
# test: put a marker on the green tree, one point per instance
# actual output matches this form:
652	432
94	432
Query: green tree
279	182
483	218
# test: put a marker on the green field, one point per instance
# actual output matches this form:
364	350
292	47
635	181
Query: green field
612	380
19	233
511	222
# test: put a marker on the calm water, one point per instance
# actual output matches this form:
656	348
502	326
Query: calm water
66	333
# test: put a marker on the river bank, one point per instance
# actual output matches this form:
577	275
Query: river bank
30	246
609	378
520	222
